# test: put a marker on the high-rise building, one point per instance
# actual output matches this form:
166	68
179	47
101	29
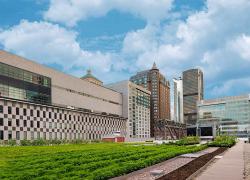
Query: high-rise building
228	115
192	92
136	107
39	102
178	100
159	87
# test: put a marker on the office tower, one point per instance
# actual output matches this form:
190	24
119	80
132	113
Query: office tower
39	102
192	92
136	107
159	87
178	100
224	116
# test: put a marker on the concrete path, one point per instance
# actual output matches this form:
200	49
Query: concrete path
247	160
229	167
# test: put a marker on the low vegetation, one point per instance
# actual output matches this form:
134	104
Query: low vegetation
83	161
188	140
223	141
43	142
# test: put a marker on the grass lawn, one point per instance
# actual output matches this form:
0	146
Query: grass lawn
85	161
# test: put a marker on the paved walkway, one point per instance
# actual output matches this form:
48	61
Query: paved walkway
247	160
229	167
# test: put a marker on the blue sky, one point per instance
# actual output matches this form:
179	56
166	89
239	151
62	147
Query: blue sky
117	38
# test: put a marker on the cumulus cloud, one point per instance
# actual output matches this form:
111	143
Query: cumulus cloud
51	44
69	12
215	39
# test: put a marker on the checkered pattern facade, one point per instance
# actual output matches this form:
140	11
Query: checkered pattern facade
23	120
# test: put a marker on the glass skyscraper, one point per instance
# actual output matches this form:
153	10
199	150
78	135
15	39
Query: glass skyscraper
193	91
231	114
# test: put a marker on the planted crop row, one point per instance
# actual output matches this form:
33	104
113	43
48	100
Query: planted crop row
100	161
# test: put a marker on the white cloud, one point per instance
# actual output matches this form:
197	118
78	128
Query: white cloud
216	39
242	46
51	44
70	12
231	85
211	39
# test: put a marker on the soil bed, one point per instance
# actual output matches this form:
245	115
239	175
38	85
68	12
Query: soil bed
187	170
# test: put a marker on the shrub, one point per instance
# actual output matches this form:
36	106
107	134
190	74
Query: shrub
12	142
38	142
223	141
189	140
25	142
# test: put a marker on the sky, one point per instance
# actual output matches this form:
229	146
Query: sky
117	38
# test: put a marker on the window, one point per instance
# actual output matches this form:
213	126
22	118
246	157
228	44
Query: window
17	122
49	114
1	109
44	114
24	112
38	124
9	122
1	135
9	135
1	121
17	135
38	135
38	113
9	110
25	134
31	124
17	111
44	124
31	112
32	135
25	123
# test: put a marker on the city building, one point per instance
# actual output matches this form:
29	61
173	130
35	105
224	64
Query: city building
136	107
159	87
169	130
228	115
193	91
178	100
39	102
90	78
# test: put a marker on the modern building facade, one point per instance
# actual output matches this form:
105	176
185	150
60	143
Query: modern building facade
178	100
28	90
193	91
229	115
159	87
136	107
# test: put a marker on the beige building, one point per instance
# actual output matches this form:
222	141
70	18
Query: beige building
28	90
90	78
136	107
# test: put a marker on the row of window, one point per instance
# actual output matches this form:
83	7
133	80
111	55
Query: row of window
59	115
17	73
51	136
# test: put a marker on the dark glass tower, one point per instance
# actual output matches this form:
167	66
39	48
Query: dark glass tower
193	91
